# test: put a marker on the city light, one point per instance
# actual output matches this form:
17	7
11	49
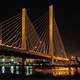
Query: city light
3	60
3	69
17	69
12	59
12	69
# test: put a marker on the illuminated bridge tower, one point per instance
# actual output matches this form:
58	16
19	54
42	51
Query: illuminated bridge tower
51	27
24	29
24	34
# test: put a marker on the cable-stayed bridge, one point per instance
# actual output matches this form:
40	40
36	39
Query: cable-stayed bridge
37	40
40	39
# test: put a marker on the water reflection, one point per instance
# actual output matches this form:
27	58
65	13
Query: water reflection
12	69
7	65
17	69
65	71
60	71
3	69
29	70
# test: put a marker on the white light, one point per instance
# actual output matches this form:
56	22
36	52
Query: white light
3	60
17	69
27	70
12	59
17	72
3	69
12	69
41	64
30	69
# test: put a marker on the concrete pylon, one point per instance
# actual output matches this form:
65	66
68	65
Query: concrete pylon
51	34
24	29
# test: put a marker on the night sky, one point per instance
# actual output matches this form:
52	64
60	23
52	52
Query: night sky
67	13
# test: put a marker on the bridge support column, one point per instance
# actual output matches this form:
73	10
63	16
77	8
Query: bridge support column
24	29
51	35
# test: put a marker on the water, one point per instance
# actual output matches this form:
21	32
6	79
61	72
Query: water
41	74
60	71
37	77
16	69
29	70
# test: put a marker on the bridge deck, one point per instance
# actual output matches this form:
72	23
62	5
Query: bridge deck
19	52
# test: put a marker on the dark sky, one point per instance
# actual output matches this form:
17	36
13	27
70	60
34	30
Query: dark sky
67	13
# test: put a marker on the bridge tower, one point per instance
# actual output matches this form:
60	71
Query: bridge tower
51	27
24	29
24	35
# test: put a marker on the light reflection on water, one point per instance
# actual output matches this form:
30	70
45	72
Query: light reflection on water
16	70
29	70
60	71
3	69
56	71
65	71
12	69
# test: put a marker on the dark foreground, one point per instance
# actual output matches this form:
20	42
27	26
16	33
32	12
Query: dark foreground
38	77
